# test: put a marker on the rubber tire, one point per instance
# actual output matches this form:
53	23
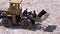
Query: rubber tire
28	26
9	22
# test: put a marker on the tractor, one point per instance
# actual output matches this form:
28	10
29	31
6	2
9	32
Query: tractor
14	16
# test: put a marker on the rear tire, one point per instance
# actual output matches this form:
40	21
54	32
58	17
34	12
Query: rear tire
6	22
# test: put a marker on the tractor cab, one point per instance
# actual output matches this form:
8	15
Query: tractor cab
15	8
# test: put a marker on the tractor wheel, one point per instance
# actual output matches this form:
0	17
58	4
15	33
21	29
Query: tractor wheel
6	22
26	24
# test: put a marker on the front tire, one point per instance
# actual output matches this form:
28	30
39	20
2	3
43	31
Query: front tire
26	24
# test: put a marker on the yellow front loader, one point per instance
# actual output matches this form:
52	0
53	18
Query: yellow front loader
14	16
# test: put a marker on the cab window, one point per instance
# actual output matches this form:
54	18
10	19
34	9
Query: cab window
15	6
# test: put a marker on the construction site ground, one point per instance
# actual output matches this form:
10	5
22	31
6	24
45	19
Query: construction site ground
52	22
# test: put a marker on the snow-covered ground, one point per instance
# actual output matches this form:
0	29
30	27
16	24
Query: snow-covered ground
51	6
